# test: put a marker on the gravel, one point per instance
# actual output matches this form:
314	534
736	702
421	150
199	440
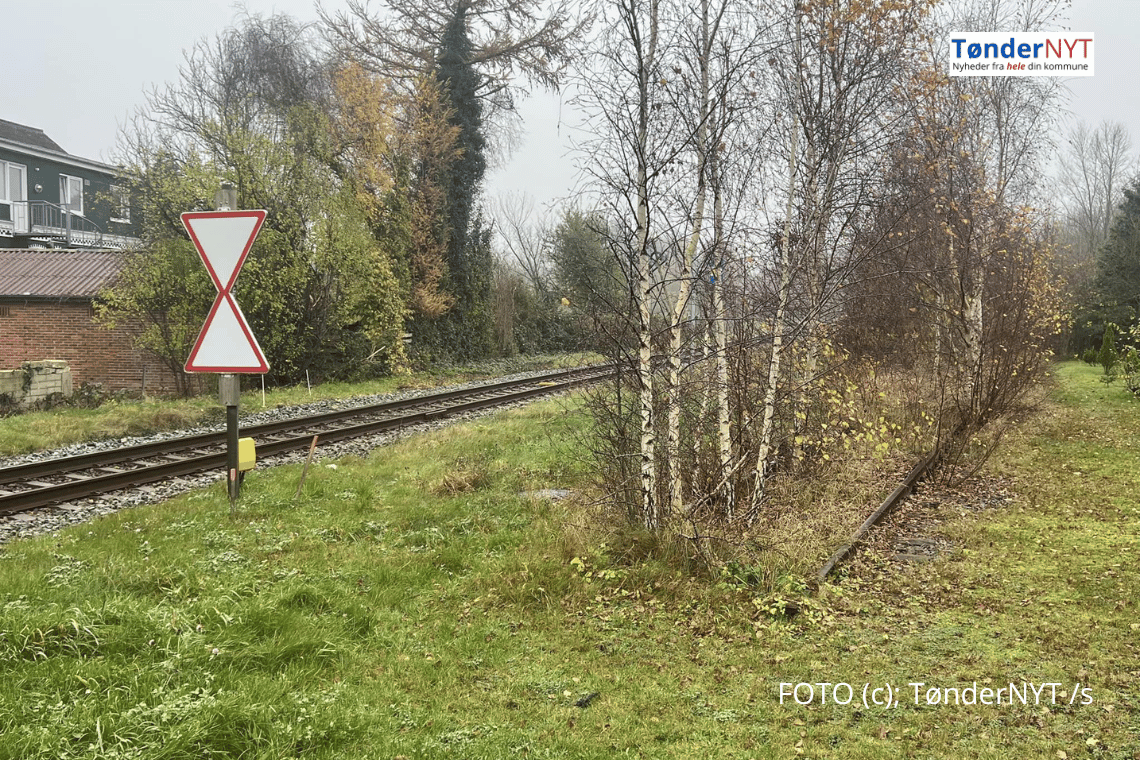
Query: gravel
49	519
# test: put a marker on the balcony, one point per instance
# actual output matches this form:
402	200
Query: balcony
44	222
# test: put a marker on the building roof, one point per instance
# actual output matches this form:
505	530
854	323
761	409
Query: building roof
30	136
31	141
57	273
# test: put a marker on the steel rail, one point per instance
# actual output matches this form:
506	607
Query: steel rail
59	466
905	488
180	463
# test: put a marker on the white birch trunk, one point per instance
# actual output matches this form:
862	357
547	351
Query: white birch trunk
767	426
685	275
720	335
707	400
649	505
974	325
673	445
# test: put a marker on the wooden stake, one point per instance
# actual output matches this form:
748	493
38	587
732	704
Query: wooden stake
304	472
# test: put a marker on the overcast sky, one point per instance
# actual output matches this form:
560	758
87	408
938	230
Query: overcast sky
77	69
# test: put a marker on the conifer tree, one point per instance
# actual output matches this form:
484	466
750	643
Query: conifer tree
1107	356
1118	265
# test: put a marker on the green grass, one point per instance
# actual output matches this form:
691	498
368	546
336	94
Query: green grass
414	604
38	430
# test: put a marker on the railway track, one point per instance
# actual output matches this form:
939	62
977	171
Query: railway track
889	504
29	486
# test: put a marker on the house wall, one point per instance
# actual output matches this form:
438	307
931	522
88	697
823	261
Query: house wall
37	330
45	172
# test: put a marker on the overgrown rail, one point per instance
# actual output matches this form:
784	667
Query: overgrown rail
905	488
38	484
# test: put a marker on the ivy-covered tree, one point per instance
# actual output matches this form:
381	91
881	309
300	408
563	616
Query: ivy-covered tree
394	149
480	56
464	332
514	43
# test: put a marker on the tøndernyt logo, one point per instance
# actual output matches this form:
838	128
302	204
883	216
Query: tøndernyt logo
1021	54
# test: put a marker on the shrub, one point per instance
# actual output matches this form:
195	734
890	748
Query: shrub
1130	369
1108	357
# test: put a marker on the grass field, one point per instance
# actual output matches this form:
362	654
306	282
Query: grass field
417	605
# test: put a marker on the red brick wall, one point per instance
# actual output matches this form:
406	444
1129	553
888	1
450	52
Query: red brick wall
34	330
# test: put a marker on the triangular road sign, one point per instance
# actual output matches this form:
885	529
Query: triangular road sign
223	240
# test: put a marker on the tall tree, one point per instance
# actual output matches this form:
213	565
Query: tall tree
394	148
1118	265
839	97
586	273
1094	167
465	330
511	40
479	55
960	280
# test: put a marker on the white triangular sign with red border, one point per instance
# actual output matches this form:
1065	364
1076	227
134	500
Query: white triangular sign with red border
223	240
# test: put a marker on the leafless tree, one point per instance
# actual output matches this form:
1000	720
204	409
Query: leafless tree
961	282
1093	170
839	92
516	42
525	238
753	182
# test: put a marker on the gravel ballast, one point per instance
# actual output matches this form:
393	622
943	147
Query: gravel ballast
49	519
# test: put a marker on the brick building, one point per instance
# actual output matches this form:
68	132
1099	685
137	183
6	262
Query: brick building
47	312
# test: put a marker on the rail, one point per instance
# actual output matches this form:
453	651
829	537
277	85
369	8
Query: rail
25	487
905	488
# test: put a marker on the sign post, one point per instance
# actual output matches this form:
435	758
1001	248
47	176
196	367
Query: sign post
226	344
229	391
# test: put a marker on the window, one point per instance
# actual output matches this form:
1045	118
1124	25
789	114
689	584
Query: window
13	194
120	204
71	194
12	182
5	311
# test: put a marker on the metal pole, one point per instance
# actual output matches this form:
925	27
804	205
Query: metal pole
229	387
230	392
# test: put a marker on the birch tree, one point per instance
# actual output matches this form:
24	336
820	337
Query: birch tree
677	87
839	92
622	100
994	133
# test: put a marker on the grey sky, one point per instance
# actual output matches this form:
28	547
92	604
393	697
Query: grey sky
78	68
